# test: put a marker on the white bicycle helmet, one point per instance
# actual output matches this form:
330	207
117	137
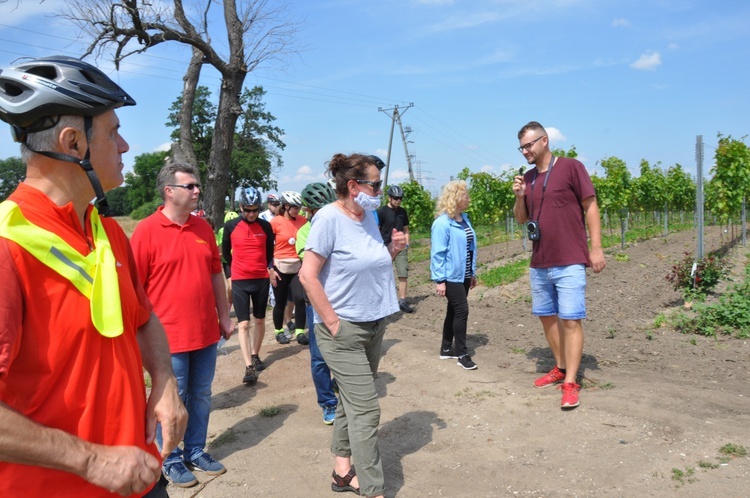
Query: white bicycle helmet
291	198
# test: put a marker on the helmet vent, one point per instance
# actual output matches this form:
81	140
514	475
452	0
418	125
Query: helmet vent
48	72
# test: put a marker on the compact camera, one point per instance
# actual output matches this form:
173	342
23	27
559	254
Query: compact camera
532	230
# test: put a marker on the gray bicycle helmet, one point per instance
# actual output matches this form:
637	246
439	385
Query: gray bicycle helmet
249	197
395	191
34	94
291	198
317	195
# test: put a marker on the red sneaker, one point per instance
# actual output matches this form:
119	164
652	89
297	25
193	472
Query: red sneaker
554	376
570	392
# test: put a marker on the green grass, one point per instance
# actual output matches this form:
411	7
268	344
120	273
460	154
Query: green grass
226	437
733	450
503	275
269	411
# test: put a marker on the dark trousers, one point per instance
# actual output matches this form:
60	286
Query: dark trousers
284	288
456	317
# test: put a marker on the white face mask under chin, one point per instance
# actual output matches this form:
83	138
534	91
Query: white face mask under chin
367	202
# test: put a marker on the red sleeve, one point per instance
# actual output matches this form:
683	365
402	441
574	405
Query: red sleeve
11	309
140	252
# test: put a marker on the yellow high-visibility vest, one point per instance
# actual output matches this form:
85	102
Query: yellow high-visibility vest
94	275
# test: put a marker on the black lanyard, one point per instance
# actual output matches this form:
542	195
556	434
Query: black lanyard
544	188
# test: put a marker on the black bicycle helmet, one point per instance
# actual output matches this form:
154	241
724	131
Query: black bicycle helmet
317	195
377	162
34	94
395	191
249	197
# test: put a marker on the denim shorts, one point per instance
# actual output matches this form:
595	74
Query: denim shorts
559	290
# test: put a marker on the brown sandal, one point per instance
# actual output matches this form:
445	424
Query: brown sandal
342	484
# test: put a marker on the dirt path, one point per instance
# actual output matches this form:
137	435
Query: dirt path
653	405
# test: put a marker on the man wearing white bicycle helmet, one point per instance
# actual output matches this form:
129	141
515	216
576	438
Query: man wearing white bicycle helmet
76	328
287	263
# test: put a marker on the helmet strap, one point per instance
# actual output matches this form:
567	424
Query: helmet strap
84	163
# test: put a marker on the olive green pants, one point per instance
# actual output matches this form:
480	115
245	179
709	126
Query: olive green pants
353	357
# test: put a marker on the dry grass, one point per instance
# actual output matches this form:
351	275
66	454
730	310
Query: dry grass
127	223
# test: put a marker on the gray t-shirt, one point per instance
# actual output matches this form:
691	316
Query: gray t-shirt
357	276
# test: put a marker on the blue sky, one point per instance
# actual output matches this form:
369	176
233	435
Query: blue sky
634	79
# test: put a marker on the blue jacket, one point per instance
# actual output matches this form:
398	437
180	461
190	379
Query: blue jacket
448	250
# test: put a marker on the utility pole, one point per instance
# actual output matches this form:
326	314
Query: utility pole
396	118
699	193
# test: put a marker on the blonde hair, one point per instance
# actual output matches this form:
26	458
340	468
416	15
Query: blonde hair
449	197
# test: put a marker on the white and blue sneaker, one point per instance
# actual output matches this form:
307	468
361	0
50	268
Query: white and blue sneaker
205	463
329	414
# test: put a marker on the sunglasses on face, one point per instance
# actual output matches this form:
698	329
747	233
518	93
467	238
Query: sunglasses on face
187	186
251	210
375	185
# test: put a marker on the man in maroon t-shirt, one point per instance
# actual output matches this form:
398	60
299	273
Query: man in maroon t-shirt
556	201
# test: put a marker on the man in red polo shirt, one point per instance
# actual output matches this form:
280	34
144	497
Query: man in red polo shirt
76	328
180	267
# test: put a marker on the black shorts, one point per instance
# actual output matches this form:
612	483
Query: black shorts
245	291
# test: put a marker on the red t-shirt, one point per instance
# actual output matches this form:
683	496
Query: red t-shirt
176	265
248	248
55	368
286	231
561	224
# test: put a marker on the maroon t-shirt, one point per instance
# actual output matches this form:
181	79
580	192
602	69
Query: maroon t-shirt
561	223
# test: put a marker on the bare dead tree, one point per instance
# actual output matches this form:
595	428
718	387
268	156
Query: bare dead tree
257	33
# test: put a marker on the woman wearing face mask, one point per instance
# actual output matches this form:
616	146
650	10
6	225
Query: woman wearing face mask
348	277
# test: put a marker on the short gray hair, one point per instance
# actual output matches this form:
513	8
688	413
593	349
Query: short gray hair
168	172
46	140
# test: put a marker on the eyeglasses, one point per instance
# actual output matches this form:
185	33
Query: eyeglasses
250	210
274	204
187	186
375	185
396	198
529	145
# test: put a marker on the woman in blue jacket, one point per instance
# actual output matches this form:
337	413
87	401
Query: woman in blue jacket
453	265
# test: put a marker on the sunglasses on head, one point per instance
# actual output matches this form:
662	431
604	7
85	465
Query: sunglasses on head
251	210
186	186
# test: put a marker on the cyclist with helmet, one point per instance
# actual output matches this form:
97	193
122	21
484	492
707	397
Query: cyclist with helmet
248	248
314	197
274	203
287	263
391	216
76	327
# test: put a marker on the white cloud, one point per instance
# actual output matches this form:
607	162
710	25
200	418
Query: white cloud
399	174
647	62
673	46
163	147
304	170
620	22
487	168
554	135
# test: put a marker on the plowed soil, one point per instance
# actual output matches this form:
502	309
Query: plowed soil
653	415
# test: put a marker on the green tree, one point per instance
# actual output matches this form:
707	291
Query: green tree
649	190
119	205
491	196
560	152
12	172
613	191
257	141
142	180
681	189
204	116
419	205
731	178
